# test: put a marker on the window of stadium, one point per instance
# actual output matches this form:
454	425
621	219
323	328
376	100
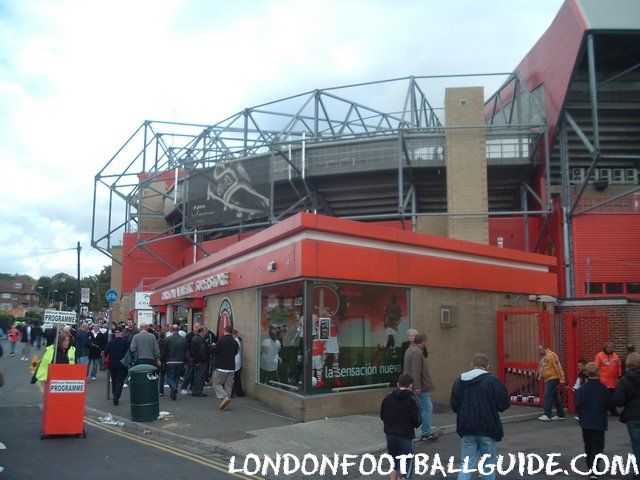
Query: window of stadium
614	287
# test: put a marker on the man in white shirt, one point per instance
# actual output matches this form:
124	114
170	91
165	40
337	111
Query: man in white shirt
269	357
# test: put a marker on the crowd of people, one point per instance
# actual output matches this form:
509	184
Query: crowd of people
478	397
28	335
186	361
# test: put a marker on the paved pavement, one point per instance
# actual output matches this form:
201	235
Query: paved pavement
251	427
107	454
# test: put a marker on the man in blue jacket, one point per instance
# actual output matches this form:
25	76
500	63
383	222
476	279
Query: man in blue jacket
593	400
477	396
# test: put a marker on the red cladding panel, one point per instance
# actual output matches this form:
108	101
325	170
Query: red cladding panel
167	177
212	246
374	254
512	229
354	263
552	59
138	264
612	243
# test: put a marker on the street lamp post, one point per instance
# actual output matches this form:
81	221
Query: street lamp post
40	296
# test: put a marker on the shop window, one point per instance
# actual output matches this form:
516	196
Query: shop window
614	287
281	336
358	332
633	287
593	288
357	336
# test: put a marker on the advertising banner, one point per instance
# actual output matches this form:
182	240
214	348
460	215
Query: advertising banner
228	192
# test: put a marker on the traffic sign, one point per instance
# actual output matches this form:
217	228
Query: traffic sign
111	296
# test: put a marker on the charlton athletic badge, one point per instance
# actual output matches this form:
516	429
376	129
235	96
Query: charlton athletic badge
225	316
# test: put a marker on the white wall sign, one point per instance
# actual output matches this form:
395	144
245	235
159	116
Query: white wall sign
144	316
142	301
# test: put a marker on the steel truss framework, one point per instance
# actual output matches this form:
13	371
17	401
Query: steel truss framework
164	151
592	143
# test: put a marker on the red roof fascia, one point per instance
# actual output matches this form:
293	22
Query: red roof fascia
321	223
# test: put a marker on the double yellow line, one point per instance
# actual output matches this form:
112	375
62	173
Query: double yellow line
166	448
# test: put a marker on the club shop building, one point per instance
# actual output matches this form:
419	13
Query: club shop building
323	306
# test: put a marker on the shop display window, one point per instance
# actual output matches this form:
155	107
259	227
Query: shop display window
280	345
357	336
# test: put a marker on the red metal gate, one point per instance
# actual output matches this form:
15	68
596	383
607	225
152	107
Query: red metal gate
572	336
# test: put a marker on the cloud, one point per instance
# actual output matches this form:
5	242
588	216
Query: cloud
77	78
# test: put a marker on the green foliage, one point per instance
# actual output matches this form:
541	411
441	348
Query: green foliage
62	287
33	315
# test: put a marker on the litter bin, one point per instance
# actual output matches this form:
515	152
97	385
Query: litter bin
143	388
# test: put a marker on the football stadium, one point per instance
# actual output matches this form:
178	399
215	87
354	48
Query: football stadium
324	225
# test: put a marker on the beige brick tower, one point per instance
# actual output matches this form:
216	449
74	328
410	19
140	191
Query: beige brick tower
151	209
466	164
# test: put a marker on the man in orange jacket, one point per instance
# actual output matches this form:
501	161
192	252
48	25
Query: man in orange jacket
610	370
551	372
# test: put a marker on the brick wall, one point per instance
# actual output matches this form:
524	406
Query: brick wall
466	164
623	326
450	349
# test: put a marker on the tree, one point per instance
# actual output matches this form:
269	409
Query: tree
62	287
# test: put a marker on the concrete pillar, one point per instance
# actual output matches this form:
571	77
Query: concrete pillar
466	161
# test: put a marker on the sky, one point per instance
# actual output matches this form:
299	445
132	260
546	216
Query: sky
77	78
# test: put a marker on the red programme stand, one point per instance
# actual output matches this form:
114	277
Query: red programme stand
64	400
